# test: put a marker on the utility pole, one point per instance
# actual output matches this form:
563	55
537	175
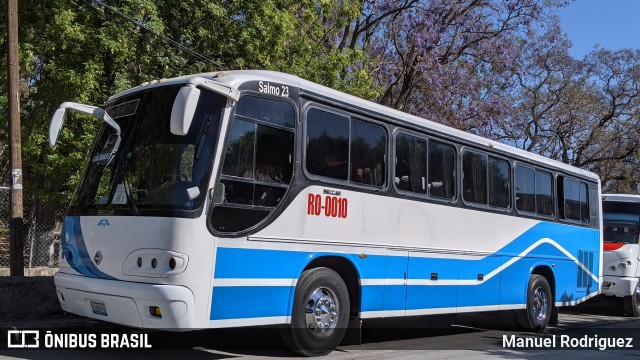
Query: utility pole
15	145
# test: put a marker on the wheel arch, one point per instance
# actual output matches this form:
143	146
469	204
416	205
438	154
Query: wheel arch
546	271
347	271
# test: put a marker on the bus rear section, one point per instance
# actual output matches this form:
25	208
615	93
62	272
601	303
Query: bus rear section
621	215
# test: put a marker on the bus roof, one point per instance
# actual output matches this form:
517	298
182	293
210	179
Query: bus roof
235	78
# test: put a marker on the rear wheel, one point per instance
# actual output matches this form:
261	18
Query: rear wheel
320	313
632	303
539	305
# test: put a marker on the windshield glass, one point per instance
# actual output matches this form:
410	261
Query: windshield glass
153	169
621	232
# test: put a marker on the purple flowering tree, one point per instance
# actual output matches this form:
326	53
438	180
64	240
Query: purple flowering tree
453	62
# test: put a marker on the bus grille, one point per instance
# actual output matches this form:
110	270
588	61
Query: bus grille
586	258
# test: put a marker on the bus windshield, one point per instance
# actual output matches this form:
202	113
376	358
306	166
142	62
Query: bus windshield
625	232
153	169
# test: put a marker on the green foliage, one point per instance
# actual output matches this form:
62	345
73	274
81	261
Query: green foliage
71	51
385	50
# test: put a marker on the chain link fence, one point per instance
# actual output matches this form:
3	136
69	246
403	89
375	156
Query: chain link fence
42	228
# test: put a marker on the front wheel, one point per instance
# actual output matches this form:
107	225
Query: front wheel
632	302
539	305
320	313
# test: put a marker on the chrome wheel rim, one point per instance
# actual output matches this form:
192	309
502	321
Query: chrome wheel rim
637	296
322	312
540	304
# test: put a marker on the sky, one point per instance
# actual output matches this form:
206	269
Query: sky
613	24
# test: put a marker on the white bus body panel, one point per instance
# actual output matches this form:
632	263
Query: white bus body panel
621	271
621	266
127	291
395	245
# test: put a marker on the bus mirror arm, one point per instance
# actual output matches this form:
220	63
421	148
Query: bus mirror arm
186	102
58	118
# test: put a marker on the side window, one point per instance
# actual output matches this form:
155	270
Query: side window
411	169
327	144
544	193
240	149
534	191
267	110
485	180
499	180
474	177
525	189
342	148
258	163
574	205
368	145
442	165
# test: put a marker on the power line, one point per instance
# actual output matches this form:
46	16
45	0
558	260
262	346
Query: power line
98	4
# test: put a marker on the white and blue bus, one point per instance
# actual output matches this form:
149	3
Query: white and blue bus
248	198
621	249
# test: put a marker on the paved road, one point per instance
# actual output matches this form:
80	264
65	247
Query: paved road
465	336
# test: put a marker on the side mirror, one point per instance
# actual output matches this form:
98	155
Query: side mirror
58	118
184	109
55	126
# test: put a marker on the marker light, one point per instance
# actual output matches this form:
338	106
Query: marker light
155	311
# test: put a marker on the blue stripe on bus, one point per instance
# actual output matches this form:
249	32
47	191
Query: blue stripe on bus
394	298
505	287
73	241
372	297
249	302
431	297
253	263
560	233
276	264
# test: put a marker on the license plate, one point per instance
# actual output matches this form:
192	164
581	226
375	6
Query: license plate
98	307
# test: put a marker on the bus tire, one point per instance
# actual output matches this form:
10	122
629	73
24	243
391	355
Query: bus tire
537	313
632	302
320	313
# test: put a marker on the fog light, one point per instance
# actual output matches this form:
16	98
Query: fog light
172	263
155	311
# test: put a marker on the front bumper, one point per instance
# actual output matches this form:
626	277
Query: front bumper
618	285
126	303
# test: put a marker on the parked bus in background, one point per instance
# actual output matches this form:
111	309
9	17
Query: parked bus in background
621	220
254	198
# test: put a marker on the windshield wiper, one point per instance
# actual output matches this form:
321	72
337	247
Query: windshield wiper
127	191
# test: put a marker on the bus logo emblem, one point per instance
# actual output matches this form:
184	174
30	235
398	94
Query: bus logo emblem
97	258
104	222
